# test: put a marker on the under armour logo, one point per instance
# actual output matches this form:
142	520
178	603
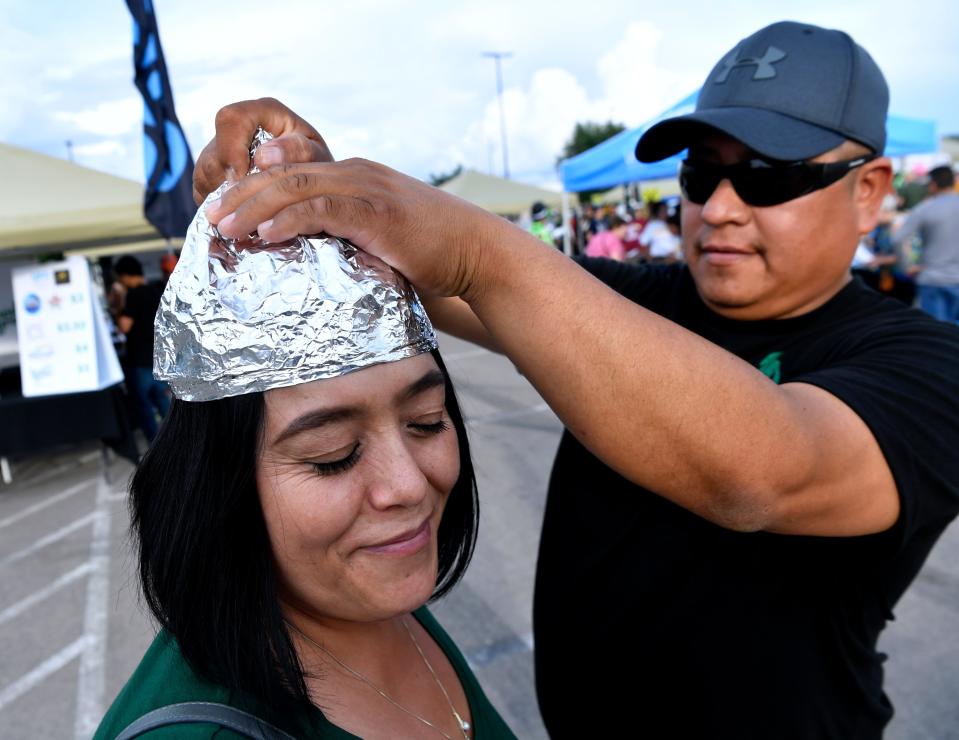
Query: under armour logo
764	64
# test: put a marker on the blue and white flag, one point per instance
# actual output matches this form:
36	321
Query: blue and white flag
168	197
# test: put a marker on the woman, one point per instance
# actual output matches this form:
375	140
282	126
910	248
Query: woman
309	492
288	541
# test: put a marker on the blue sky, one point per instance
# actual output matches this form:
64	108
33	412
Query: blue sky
405	83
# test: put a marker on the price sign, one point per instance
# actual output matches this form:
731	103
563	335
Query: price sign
61	331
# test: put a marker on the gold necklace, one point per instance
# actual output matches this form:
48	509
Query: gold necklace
463	724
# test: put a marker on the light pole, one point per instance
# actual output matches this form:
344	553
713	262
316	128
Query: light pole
497	56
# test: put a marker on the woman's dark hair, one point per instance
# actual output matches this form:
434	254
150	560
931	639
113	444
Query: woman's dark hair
206	567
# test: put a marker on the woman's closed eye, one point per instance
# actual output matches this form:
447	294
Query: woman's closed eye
332	467
432	427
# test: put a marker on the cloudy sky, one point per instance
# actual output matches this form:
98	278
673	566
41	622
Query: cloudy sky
405	83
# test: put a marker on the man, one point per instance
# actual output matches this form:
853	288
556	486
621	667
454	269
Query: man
136	322
936	222
738	505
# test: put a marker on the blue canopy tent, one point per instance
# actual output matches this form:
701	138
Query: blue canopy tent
613	162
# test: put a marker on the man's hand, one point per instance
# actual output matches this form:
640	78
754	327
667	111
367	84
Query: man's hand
442	244
227	156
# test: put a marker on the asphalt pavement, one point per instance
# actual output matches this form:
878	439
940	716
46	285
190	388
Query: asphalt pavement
72	628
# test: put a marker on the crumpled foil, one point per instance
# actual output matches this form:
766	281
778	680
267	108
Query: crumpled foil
242	315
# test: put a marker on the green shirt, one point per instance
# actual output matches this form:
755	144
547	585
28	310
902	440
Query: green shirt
164	677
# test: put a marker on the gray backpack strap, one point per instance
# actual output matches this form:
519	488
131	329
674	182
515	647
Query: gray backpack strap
204	711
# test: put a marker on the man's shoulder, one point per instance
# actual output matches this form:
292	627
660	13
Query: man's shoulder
634	281
870	319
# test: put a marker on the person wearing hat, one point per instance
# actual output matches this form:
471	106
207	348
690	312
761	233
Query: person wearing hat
540	226
736	509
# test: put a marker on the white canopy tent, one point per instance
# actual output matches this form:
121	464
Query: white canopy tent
51	205
503	197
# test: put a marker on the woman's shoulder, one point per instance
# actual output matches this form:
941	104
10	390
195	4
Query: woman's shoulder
163	677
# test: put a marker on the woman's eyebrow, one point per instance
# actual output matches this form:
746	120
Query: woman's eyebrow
432	379
315	419
320	417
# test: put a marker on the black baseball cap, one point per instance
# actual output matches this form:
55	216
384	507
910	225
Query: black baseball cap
790	91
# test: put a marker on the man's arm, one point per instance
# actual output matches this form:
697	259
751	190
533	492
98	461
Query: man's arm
454	316
704	428
701	427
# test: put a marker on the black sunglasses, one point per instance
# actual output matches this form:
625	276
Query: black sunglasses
760	182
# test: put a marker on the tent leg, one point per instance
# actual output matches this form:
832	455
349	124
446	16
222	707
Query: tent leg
567	236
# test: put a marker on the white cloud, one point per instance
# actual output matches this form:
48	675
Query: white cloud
635	85
100	149
112	118
405	83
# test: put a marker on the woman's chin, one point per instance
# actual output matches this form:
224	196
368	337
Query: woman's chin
407	594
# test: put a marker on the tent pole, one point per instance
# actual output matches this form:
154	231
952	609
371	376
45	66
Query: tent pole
567	240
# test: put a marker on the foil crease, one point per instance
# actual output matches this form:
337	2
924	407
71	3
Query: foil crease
243	315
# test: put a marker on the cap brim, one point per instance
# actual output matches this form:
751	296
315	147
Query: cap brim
770	134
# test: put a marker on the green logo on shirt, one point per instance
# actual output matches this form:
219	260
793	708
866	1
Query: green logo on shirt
771	367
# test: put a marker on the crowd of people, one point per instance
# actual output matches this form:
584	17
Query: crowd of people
759	451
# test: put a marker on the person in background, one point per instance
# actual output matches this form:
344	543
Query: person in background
609	243
135	320
659	237
883	269
587	225
168	264
936	222
541	228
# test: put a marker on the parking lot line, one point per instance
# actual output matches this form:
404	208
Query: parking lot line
92	661
14	610
49	501
48	667
48	540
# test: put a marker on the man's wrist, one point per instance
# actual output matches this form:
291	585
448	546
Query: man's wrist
484	257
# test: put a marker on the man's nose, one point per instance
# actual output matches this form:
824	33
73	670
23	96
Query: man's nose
724	205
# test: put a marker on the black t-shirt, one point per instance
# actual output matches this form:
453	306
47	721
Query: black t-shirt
654	622
141	305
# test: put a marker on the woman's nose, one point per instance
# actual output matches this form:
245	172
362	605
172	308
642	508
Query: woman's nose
397	479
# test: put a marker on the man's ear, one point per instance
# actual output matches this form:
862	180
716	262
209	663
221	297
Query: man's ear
873	183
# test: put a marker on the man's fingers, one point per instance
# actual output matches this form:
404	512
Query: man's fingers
334	215
256	198
243	201
292	148
207	174
236	125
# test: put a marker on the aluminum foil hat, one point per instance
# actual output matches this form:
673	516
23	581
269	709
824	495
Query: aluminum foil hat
240	316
